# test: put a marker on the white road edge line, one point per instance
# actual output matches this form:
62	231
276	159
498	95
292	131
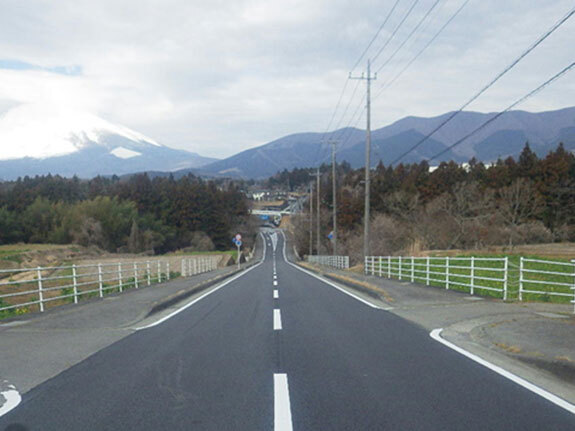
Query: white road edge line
275	282
282	409
277	320
12	397
328	282
436	335
276	294
199	298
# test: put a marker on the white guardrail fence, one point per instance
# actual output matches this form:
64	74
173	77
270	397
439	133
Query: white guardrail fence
472	273
546	278
23	288
531	279
339	262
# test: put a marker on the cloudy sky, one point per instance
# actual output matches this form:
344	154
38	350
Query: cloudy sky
217	77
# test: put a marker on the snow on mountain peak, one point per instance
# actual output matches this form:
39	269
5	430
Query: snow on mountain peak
41	131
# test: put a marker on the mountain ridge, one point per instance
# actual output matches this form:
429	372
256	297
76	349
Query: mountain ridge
505	137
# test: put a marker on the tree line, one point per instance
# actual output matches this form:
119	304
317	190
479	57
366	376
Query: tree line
512	201
118	214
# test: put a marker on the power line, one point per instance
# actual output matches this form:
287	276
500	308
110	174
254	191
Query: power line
317	154
514	104
335	110
389	83
375	36
421	21
396	29
490	84
381	27
331	119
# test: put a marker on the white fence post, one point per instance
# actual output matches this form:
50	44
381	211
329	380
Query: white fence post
472	274
120	284
505	272
168	270
365	265
159	272
447	272
195	266
427	271
148	272
573	262
75	283
100	283
388	266
136	275
400	267
521	278
183	267
381	266
412	269
40	292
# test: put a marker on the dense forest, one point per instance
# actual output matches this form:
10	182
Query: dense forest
126	215
513	201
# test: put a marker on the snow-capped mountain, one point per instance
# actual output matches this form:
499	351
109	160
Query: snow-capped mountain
36	140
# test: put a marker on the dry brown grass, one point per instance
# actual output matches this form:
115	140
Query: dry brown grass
352	280
562	250
508	348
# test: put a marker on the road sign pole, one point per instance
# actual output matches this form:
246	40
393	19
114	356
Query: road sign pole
238	243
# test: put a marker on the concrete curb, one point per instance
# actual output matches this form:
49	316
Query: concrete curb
173	299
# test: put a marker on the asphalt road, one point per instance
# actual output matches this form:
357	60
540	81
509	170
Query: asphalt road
289	352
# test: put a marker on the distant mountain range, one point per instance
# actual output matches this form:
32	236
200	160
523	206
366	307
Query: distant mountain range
40	141
505	137
36	140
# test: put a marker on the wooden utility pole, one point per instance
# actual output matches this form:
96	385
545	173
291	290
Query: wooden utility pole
311	218
318	221
334	199
368	79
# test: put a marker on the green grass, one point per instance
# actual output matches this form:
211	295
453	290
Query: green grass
110	286
460	276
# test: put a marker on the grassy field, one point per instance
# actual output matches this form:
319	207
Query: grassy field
60	291
552	279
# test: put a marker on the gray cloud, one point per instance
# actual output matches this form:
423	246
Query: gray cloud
218	77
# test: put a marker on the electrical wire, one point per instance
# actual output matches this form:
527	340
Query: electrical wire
389	83
421	21
395	30
510	107
490	84
375	36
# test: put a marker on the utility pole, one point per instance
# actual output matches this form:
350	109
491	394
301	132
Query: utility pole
368	80
318	194
311	218
334	199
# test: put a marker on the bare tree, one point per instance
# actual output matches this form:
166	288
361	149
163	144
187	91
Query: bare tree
518	203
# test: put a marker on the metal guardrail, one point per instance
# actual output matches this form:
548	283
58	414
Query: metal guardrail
472	273
546	278
39	287
340	262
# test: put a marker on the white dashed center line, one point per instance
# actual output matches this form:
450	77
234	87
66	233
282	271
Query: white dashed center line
282	409
276	294
277	320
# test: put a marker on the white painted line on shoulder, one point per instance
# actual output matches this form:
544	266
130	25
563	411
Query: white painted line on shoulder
277	320
12	399
282	409
199	298
436	335
337	287
276	294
